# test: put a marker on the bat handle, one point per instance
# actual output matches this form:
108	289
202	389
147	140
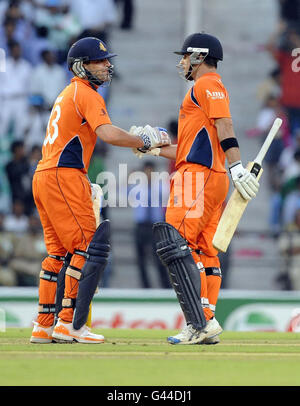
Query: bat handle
255	169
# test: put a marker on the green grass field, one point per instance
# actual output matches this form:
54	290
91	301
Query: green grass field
143	358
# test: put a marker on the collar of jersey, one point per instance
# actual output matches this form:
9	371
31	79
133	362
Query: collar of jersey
86	82
211	74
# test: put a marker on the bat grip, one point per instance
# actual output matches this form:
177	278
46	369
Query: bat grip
256	169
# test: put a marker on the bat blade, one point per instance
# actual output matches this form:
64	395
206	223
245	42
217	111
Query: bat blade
232	214
96	208
237	204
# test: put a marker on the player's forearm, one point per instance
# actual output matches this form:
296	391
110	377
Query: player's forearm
116	136
225	130
169	152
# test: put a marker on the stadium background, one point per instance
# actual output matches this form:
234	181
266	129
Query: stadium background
147	89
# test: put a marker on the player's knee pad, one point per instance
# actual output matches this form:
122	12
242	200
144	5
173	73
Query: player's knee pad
96	261
60	289
175	254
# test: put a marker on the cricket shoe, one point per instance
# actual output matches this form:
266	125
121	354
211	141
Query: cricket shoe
189	335
41	334
64	332
211	340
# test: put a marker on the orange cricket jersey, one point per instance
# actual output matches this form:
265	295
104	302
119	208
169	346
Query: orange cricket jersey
197	135
70	138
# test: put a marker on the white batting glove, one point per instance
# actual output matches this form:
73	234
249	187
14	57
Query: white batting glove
244	181
152	137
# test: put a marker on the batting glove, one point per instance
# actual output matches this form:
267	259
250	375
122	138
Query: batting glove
244	181
141	154
152	137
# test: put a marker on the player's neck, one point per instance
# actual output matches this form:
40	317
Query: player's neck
202	70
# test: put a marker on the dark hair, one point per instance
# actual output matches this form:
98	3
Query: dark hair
15	145
210	61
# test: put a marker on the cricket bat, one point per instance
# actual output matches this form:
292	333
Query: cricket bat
96	208
237	204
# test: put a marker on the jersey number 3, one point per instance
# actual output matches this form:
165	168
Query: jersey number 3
52	123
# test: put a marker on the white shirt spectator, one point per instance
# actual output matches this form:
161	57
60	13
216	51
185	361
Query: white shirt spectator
14	92
48	81
94	14
14	81
14	224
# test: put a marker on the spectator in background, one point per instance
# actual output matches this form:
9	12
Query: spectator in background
291	205
289	11
128	9
270	86
7	34
18	175
28	251
293	169
144	216
289	247
14	92
95	17
34	157
61	23
16	222
48	79
281	46
38	43
7	277
37	120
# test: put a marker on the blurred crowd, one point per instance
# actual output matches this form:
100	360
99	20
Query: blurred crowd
279	97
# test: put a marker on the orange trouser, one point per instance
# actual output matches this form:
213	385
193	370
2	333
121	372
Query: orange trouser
63	199
195	205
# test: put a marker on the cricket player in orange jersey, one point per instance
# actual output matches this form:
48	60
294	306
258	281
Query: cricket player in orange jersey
200	185
77	252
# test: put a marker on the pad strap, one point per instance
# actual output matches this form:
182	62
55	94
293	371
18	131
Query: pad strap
48	276
46	308
57	257
68	303
74	272
213	271
82	253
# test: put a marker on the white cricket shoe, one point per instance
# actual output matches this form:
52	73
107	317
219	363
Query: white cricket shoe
41	334
211	340
64	332
189	335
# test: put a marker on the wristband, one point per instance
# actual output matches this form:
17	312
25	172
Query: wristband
229	143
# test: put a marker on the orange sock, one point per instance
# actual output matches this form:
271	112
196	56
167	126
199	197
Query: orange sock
213	289
47	290
73	274
204	292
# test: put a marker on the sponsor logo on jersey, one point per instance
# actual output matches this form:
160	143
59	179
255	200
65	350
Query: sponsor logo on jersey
215	95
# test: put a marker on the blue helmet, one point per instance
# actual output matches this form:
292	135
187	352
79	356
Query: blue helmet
86	50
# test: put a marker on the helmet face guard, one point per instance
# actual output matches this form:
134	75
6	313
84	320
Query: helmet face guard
84	51
199	46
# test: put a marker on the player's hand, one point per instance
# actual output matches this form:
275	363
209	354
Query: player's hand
152	137
141	154
244	181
